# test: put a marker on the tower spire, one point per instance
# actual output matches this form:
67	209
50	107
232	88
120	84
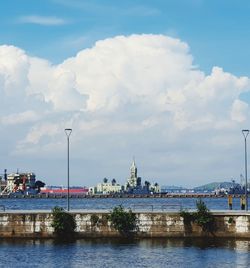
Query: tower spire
133	169
133	163
132	180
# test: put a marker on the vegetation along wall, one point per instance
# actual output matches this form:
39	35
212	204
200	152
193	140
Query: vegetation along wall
151	224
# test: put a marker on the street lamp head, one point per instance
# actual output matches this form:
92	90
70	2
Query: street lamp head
68	131
245	132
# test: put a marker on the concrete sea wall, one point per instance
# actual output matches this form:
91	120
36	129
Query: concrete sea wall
34	224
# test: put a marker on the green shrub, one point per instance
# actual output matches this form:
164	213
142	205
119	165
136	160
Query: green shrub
123	221
203	217
63	223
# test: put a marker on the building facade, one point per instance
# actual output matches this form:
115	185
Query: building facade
108	188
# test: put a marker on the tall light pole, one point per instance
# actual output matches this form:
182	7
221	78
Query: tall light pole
245	133
68	132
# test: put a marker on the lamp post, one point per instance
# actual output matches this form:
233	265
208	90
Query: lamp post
68	132
245	133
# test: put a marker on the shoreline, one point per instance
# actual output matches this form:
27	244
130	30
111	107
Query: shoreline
55	196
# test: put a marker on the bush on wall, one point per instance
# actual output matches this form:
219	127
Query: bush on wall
63	223
123	221
203	217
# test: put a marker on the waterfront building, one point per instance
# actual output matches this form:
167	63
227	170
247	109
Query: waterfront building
155	188
134	183
108	187
92	190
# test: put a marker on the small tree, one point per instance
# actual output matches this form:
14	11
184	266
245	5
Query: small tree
63	223
123	221
203	217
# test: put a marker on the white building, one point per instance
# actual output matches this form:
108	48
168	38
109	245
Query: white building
155	188
108	187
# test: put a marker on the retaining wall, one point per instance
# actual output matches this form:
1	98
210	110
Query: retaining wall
150	224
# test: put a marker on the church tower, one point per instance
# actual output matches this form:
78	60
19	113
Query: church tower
132	181
133	170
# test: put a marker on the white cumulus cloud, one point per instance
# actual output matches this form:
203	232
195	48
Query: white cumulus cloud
128	95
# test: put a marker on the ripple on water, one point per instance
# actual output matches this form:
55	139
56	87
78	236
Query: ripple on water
125	253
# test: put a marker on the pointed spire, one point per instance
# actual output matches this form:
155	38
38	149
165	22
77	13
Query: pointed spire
133	166
133	169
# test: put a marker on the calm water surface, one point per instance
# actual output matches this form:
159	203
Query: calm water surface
109	203
124	253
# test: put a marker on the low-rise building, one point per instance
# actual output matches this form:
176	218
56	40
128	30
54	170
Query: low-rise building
108	188
155	188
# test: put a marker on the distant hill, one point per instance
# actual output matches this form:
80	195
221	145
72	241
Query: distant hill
206	187
172	187
214	185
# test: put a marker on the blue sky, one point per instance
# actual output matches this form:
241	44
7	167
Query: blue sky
217	31
164	81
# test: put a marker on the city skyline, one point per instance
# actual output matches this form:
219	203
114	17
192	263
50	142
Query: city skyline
164	81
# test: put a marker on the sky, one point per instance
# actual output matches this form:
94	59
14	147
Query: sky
163	81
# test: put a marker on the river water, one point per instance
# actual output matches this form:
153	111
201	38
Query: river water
125	253
109	203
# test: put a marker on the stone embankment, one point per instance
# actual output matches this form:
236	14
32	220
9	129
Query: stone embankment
35	224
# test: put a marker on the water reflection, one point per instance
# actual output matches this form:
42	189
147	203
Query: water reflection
200	243
124	253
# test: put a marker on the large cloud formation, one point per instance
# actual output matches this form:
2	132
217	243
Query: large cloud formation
138	95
